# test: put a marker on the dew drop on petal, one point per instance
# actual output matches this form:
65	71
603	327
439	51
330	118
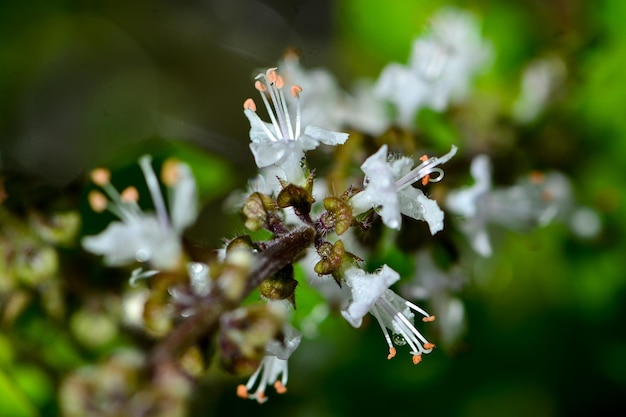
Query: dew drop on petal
398	339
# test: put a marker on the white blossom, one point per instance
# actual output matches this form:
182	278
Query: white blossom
273	368
441	65
282	143
152	237
535	200
371	293
388	189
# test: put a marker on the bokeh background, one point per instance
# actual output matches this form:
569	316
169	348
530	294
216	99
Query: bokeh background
84	84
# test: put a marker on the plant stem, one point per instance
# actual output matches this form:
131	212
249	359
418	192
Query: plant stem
283	251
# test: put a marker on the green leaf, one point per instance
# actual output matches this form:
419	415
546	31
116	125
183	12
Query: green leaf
13	402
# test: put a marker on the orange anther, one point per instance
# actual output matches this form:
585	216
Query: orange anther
101	176
271	75
279	387
130	195
295	90
259	86
426	178
242	391
280	82
170	172
392	352
97	201
249	104
428	319
537	177
417	359
429	345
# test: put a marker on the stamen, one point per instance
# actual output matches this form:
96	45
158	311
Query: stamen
170	172
155	190
259	86
295	90
249	104
271	75
425	169
429	346
242	391
101	176
280	82
279	387
426	178
392	352
417	359
428	319
130	195
97	201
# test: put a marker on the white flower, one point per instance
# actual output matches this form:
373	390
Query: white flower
273	367
281	143
140	236
371	293
388	189
441	66
535	200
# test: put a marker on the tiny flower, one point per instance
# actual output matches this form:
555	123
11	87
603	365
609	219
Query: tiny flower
534	201
388	189
273	368
282	143
140	236
371	293
441	66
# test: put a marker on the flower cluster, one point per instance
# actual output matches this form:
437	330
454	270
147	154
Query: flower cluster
334	227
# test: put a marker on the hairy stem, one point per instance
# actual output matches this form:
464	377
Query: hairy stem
283	251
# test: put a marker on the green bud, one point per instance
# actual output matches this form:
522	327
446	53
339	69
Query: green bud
257	210
338	215
280	286
299	198
332	257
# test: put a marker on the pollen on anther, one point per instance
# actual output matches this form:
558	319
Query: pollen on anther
429	345
428	319
249	104
101	176
259	86
280	82
242	391
392	352
426	178
130	195
170	172
295	90
97	201
417	359
279	387
271	75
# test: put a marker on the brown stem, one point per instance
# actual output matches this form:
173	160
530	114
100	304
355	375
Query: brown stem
283	251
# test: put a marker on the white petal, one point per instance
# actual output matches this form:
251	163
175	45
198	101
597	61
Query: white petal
259	129
366	289
327	137
415	204
140	240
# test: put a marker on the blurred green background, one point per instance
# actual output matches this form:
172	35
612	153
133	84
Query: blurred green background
88	83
